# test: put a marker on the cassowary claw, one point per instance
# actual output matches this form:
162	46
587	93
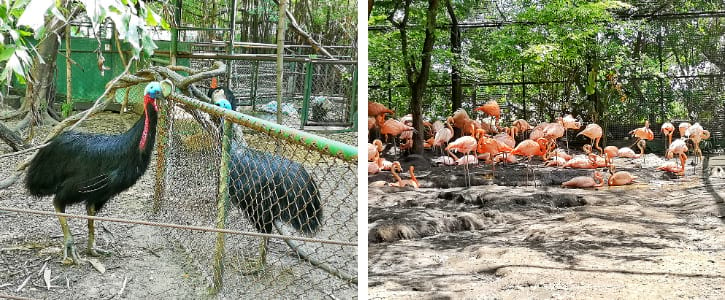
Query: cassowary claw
74	259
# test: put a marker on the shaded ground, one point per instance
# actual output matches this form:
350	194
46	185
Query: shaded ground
660	238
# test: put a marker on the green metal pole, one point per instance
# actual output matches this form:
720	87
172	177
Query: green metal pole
320	144
307	94
222	206
353	105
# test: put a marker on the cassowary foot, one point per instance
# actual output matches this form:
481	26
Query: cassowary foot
253	266
74	258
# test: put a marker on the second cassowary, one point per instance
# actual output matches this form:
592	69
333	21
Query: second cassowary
271	188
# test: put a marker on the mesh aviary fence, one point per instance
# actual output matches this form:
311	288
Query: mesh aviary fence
274	180
315	93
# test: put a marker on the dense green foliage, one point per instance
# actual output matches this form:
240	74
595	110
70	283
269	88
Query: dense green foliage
601	60
23	20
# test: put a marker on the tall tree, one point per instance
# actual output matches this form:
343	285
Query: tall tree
456	88
417	76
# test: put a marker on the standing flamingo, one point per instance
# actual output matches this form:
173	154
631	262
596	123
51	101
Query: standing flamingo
465	144
530	148
696	134
552	132
443	135
643	134
593	132
569	123
395	128
375	109
492	109
519	126
610	152
683	127
668	129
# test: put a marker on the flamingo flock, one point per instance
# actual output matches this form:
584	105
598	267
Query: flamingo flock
484	140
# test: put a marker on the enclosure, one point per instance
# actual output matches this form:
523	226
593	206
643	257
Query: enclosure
234	204
515	232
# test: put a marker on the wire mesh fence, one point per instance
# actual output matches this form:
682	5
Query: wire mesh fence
272	183
314	93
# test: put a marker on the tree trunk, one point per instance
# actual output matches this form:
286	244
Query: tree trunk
419	83
280	57
39	91
456	88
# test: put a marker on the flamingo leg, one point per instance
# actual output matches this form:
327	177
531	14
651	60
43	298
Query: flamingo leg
598	147
683	158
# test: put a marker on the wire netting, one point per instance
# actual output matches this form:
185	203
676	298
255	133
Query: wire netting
271	180
328	88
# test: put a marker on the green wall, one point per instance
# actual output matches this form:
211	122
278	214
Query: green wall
87	82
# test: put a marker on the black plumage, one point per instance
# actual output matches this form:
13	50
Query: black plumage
269	187
228	95
92	168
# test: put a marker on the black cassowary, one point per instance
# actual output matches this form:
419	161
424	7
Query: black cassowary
272	188
217	93
92	168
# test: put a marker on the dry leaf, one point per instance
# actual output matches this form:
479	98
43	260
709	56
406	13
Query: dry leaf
97	265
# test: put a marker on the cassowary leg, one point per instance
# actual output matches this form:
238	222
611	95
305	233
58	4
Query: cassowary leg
92	250
68	246
256	266
263	252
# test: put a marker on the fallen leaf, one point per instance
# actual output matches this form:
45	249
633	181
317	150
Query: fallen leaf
46	277
97	265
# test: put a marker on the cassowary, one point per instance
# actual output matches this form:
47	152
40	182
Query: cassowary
82	167
272	188
217	93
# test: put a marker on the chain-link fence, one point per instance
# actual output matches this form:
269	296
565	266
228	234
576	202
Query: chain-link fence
275	186
316	93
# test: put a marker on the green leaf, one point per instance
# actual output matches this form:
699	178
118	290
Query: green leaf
6	52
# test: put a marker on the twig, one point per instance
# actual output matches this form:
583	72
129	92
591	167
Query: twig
5	284
152	252
24	283
123	287
43	268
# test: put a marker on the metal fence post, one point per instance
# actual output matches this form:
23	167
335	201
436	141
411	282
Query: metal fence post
308	93
353	105
222	205
253	88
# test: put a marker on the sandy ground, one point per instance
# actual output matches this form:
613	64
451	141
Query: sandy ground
663	237
157	263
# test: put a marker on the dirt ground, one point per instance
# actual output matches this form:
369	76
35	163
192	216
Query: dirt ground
153	262
663	237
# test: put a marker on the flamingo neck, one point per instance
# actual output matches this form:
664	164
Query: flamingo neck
395	175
